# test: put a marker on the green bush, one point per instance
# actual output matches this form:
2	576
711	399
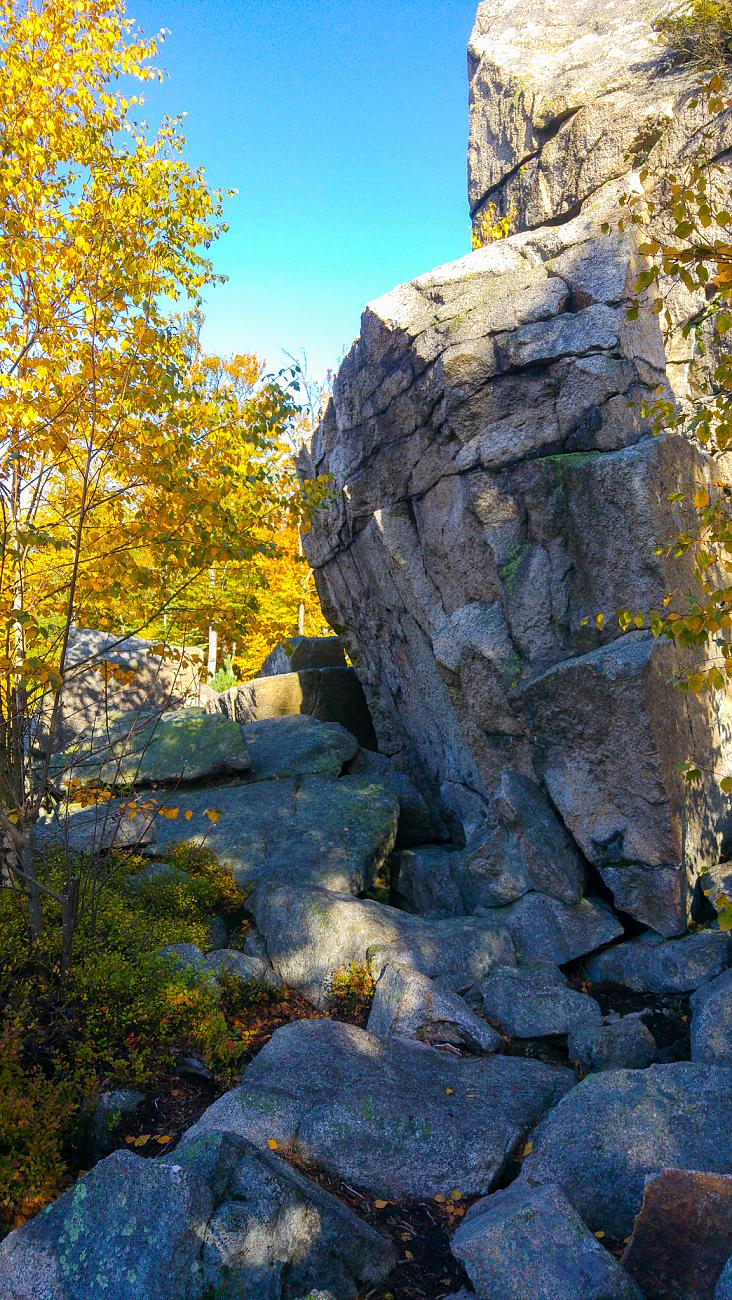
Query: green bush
119	1018
700	32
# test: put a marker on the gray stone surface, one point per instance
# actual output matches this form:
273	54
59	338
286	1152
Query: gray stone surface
616	1128
411	1006
298	746
214	1216
309	829
652	965
180	745
711	1021
625	1044
309	933
543	929
724	1286
242	966
494	487
430	880
110	1112
392	1117
534	1000
298	652
131	1228
329	694
528	1243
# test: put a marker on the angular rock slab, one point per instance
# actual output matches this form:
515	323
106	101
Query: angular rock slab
615	1129
533	1001
411	1006
528	1243
310	830
392	1117
330	694
650	964
298	746
682	1236
182	745
711	1021
309	933
298	652
545	930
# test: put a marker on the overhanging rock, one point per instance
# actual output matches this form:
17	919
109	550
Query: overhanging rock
496	486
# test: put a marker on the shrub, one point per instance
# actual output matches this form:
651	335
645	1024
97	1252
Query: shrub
119	1018
700	32
350	991
489	227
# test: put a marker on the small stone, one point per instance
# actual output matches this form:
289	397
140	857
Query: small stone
625	1044
711	1021
682	1236
528	1243
535	1000
411	1006
651	964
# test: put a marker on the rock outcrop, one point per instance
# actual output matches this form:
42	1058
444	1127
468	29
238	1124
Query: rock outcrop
497	486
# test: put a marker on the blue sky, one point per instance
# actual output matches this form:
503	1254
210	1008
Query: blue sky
343	124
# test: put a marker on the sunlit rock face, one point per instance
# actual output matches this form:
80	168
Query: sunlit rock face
496	485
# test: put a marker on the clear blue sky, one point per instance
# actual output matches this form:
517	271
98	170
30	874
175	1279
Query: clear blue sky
343	124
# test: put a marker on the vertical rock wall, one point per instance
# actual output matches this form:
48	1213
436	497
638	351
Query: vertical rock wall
495	483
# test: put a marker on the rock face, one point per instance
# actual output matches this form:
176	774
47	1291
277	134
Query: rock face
299	652
496	485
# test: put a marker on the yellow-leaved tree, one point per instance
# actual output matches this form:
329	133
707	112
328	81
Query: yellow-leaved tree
134	471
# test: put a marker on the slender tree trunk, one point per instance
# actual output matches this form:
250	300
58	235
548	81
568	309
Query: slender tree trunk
213	651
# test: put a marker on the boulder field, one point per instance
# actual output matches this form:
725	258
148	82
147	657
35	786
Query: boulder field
485	813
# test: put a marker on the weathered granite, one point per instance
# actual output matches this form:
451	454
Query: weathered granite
623	1044
528	1243
711	1021
390	1116
650	964
616	1128
330	694
496	487
298	652
412	1006
534	1000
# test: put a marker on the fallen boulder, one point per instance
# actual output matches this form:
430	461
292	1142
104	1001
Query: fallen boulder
411	1006
299	746
329	694
615	1129
392	1117
650	964
310	933
535	1000
624	1044
546	930
528	1243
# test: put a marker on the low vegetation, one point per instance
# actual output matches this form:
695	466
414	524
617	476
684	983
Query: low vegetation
699	32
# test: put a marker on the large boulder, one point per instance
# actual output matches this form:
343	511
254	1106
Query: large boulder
616	1128
412	1006
311	829
530	1244
109	674
310	933
496	487
392	1117
181	745
650	964
682	1236
298	746
213	1217
711	1021
533	1001
330	694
